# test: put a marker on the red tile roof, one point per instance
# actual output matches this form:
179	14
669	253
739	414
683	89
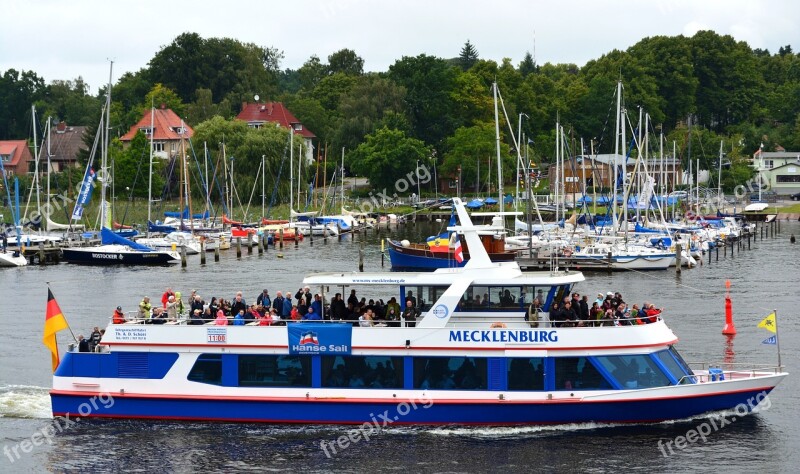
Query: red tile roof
165	122
274	112
20	155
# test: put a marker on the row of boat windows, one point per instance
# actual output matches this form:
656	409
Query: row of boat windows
444	373
490	298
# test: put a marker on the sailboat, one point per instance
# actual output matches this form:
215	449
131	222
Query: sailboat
15	258
114	249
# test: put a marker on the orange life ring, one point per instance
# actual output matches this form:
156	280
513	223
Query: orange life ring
497	325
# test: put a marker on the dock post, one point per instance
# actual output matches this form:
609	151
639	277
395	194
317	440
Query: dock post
249	244
610	261
732	249
266	237
216	250
325	233
678	258
361	256
383	248
238	247
748	241
280	236
717	248
310	236
338	231
260	243
709	256
183	256
42	259
202	252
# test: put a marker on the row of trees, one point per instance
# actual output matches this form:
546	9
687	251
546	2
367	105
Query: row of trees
429	108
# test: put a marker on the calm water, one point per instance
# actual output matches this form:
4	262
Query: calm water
763	279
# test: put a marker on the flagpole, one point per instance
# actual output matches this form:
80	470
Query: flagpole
777	339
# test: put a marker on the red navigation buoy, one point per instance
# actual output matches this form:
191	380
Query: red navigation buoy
730	328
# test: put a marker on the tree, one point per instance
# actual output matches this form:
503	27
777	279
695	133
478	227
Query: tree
467	56
471	147
131	170
527	65
428	82
17	92
311	72
345	61
387	158
363	108
203	108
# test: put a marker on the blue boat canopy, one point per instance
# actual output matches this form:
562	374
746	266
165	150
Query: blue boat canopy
474	204
107	236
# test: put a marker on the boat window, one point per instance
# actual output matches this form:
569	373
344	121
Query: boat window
676	365
525	373
578	373
450	373
274	371
207	369
362	372
634	371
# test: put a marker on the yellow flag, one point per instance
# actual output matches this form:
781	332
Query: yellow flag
768	323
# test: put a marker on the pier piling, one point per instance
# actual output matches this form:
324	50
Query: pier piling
183	256
280	237
216	251
260	243
678	258
238	247
361	256
202	252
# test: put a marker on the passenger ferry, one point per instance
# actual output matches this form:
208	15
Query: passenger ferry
484	364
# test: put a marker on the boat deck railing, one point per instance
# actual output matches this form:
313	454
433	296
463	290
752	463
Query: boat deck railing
475	321
705	372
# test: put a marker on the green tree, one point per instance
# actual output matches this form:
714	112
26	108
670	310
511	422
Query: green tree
387	158
17	92
345	61
428	82
527	65
467	56
311	72
203	108
363	108
473	147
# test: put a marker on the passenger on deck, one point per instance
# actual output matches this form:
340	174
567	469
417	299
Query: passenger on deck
144	308
411	297
83	344
393	318
196	303
506	299
294	314
286	311
367	319
410	314
238	303
94	339
196	318
179	300
166	295
251	314
652	313
263	298
208	315
352	299
584	308
118	316
393	305
238	320
302	306
636	315
338	308
317	305
221	319
276	318
312	315
608	318
159	316
213	305
172	308
304	293
277	303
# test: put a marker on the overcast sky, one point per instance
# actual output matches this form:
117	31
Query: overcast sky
65	39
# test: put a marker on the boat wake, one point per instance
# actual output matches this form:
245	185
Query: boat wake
500	432
24	401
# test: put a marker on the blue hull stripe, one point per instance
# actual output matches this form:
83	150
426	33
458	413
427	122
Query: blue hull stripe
316	411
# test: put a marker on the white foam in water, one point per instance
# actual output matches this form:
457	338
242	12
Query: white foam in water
514	431
25	401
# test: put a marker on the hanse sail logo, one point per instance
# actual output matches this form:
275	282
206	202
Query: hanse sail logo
309	337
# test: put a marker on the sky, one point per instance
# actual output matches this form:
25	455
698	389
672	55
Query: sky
60	39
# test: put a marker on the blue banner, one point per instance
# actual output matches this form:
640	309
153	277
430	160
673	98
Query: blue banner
320	338
85	194
770	340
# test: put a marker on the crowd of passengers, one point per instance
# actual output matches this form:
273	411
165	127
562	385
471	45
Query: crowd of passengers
608	310
272	311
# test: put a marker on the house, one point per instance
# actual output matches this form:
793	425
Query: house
780	169
65	144
167	132
258	115
16	157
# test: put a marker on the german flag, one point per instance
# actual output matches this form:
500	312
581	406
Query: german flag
54	321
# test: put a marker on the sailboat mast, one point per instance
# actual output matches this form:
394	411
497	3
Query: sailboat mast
36	160
616	156
341	185
150	177
263	179
49	164
497	140
185	165
291	172
106	131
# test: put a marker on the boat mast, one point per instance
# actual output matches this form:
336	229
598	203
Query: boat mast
291	172
497	140
341	185
263	179
36	160
185	164
104	151
208	192
616	157
150	177
719	174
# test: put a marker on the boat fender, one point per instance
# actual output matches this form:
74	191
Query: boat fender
405	243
